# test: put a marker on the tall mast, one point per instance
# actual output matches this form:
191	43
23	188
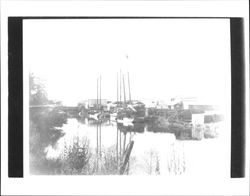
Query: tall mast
100	127
129	92
129	88
97	95
120	86
117	90
124	91
100	102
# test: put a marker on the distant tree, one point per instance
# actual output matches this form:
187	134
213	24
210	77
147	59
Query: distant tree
45	123
38	95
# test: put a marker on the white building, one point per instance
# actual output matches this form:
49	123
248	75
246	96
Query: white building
90	103
192	103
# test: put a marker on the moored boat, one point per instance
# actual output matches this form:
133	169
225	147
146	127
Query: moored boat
113	116
94	116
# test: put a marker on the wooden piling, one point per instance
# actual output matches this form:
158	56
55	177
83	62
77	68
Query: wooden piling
126	157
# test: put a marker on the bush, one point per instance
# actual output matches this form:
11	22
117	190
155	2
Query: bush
76	158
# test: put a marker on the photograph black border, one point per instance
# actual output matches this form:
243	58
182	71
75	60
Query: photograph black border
15	90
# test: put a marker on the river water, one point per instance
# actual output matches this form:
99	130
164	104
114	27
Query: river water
153	152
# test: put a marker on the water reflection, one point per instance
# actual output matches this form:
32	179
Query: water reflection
103	147
134	128
45	131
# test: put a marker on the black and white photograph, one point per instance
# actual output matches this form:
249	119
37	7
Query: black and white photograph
124	97
128	96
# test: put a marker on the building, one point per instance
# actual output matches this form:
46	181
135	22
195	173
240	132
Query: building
159	104
191	103
92	103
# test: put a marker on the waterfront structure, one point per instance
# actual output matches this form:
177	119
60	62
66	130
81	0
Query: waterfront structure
190	103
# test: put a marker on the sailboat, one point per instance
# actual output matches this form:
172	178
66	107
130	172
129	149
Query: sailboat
127	112
95	114
113	116
125	115
125	120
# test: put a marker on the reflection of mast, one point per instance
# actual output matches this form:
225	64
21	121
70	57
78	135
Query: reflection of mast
100	129
117	147
126	157
120	143
100	140
98	145
123	151
124	141
130	139
97	163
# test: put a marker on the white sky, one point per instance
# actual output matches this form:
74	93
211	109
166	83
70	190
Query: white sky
167	57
